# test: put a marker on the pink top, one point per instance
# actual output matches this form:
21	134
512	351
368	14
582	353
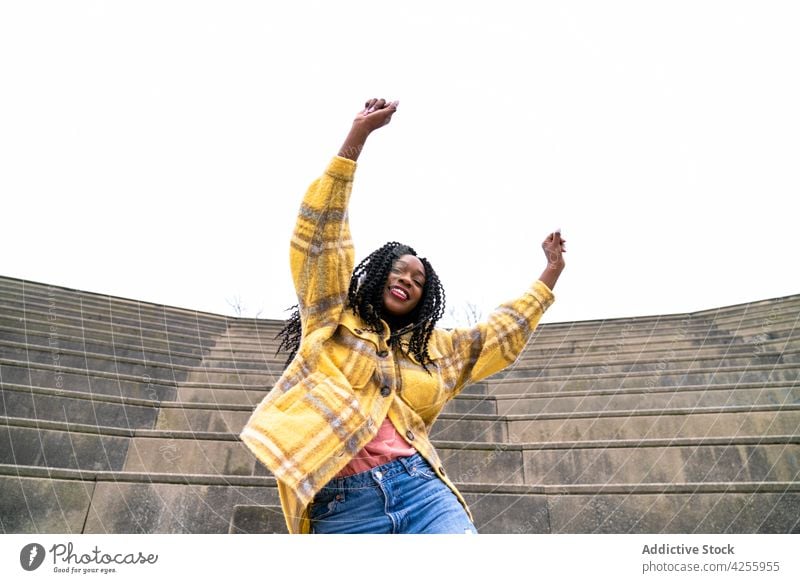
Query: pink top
384	447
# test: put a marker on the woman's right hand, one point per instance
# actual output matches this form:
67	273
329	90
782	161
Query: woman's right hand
376	114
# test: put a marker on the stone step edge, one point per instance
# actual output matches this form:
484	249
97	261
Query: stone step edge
606	344
607	376
217	406
591	414
650	356
628	391
34	472
12	284
41	317
130	377
659	326
73	311
722	316
535	345
504	381
524	362
125	339
247	341
131	360
225	370
625	413
148	312
137	346
135	302
443	444
602	414
74	317
105	297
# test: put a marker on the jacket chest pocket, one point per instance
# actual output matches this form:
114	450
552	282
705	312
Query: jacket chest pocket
352	357
422	391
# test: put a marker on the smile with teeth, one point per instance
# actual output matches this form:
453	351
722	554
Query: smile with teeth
399	293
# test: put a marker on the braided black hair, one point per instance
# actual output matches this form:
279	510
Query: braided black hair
365	298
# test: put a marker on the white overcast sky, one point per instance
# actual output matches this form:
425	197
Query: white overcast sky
159	150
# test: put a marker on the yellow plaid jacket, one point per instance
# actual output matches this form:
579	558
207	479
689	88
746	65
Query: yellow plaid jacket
344	381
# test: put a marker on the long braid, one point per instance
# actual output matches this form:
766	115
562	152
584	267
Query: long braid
365	298
290	334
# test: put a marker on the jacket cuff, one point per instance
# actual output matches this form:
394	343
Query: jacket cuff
542	293
342	168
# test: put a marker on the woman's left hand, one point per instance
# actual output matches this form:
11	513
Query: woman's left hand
554	250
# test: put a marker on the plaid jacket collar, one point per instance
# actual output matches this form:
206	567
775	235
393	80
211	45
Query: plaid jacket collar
358	328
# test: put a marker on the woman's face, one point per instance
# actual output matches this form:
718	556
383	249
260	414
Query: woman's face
404	285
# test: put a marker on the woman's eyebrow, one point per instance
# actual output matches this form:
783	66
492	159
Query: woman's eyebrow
416	271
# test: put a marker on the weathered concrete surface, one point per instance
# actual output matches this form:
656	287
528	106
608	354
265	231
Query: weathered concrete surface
34	505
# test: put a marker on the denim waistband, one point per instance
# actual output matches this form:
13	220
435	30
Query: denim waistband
382	472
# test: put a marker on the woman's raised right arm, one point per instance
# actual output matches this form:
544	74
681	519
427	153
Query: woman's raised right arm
321	251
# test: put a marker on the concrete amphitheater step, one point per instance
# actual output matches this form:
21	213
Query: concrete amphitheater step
547	341
721	459
195	370
95	362
657	424
259	373
535	357
131	339
673	422
103	310
216	371
478	414
128	348
615	399
710	376
663	364
586	351
81	380
124	350
657	329
42	500
102	330
678	510
45	404
48	500
768	311
633	399
660	330
48	404
153	382
625	462
55	300
776	339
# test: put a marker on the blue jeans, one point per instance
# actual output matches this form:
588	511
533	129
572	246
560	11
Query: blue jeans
403	496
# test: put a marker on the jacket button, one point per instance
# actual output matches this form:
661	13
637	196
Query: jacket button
385	391
410	435
441	469
383	354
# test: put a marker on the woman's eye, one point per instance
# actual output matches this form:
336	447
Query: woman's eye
419	283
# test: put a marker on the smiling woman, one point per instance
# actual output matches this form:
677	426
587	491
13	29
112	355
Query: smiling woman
346	429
